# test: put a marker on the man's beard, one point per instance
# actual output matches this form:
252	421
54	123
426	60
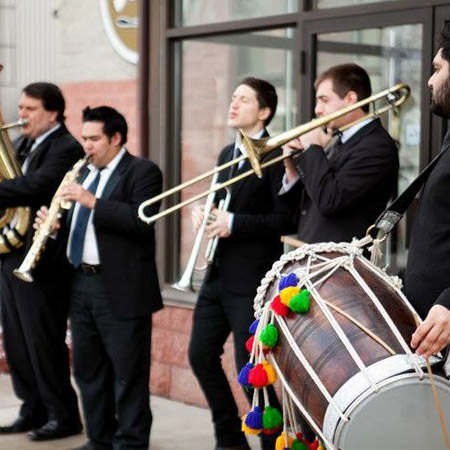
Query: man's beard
440	100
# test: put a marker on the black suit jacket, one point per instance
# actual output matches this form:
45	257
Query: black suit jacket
342	196
260	218
427	275
49	162
126	245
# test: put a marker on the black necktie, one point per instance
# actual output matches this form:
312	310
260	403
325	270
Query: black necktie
79	229
25	151
234	167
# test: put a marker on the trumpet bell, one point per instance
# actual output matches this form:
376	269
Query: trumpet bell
23	275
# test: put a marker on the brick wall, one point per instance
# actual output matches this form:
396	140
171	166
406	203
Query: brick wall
171	375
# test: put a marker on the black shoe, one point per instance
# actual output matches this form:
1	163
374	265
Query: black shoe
89	446
54	429
20	425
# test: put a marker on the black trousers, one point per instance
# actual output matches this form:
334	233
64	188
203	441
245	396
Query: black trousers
34	330
111	367
217	314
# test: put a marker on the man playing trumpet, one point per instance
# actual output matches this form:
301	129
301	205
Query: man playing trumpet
249	243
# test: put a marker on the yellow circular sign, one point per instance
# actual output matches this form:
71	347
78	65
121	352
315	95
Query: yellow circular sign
120	18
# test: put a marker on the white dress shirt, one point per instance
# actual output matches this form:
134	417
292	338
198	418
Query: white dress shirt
90	249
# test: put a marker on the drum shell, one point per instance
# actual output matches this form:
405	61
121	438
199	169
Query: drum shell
320	344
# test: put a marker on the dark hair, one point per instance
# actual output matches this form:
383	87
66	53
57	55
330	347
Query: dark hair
345	78
50	95
113	121
444	41
265	94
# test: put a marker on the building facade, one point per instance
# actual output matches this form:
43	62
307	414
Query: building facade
175	94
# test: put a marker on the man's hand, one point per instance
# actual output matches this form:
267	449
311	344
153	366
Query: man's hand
41	216
197	217
219	227
434	333
316	137
288	149
75	192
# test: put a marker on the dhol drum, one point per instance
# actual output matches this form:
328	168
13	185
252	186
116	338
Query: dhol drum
347	364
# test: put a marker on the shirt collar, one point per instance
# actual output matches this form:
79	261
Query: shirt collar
238	142
41	138
349	132
113	163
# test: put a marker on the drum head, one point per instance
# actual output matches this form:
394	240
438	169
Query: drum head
402	415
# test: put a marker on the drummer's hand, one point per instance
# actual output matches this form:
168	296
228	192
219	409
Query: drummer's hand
434	333
41	216
219	227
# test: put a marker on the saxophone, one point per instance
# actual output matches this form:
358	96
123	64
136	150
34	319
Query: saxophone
43	232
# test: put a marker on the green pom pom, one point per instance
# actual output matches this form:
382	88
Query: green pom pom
272	418
297	445
300	302
269	336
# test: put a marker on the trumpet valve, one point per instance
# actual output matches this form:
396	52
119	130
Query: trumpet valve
24	276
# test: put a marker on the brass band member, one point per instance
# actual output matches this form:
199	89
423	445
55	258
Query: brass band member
342	188
427	276
115	286
34	316
249	243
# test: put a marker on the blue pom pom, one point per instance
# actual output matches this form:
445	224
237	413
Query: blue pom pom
290	280
243	375
254	419
254	326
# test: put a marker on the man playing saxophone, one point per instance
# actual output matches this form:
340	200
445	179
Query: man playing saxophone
34	315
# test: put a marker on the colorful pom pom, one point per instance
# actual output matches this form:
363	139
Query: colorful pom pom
249	343
278	307
298	445
254	419
300	303
289	280
257	377
280	442
269	336
272	418
287	293
243	374
246	429
254	326
270	371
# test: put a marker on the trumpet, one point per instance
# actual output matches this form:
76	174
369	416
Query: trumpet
185	283
43	232
258	149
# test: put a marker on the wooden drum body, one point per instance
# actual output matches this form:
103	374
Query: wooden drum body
357	392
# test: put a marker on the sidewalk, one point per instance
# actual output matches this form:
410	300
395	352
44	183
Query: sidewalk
175	426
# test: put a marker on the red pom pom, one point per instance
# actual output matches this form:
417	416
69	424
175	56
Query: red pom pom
278	307
257	377
249	343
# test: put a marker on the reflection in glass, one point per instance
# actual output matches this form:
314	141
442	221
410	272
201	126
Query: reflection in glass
321	4
390	55
210	70
197	12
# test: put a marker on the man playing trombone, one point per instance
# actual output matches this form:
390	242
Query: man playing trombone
249	243
342	186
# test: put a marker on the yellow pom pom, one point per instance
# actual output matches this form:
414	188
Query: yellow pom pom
271	374
280	443
287	293
246	429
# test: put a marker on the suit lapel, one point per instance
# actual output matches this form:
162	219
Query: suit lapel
236	187
43	146
116	176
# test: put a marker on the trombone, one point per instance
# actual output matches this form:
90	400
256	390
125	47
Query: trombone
257	149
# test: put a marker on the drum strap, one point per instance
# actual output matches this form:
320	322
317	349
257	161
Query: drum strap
395	211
